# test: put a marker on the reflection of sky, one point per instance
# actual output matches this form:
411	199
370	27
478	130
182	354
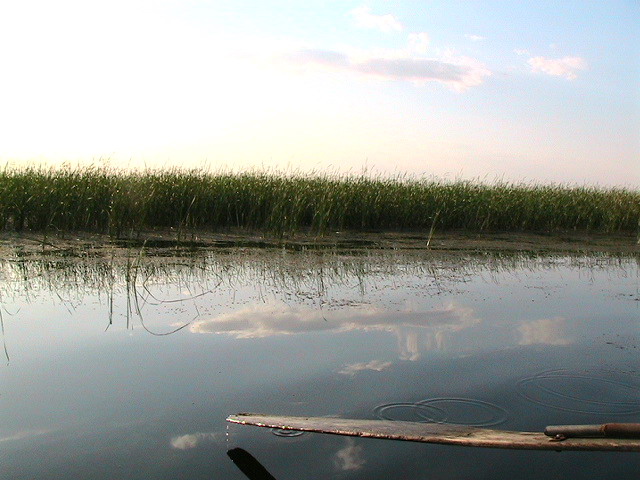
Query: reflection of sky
374	365
416	331
268	320
279	349
350	457
192	440
547	331
425	309
23	435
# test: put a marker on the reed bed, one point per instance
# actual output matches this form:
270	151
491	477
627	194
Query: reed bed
120	202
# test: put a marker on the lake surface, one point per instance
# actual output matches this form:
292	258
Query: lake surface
127	366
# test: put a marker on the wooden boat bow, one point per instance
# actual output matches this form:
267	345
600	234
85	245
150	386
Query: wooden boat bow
446	434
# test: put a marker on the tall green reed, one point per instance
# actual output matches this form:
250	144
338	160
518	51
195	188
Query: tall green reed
120	202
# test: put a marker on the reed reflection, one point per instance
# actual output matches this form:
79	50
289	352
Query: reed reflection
298	273
257	293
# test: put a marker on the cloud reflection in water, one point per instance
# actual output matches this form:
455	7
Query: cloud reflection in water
416	331
192	440
375	365
547	331
23	435
350	457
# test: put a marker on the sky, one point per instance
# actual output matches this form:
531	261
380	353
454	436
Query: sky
532	92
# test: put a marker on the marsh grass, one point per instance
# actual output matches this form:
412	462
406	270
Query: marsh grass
120	202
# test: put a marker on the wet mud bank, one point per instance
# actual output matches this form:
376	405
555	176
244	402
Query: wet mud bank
177	243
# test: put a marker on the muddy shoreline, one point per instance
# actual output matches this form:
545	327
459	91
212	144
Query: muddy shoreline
97	245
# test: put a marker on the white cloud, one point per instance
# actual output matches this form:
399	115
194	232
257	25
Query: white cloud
412	341
415	331
474	38
521	51
560	67
418	69
419	42
259	321
23	434
457	72
547	331
375	365
191	440
363	18
327	58
350	457
472	72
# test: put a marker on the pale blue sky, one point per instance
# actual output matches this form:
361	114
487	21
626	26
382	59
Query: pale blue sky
523	91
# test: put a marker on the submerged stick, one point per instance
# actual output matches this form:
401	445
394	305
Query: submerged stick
436	433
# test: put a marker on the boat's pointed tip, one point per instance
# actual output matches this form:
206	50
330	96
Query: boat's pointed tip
239	417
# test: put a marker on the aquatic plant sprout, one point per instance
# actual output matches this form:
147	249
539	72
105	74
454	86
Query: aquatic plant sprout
118	202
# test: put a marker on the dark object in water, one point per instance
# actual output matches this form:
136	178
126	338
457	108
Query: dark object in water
437	433
609	430
248	465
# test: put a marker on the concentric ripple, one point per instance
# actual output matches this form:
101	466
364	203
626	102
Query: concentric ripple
456	411
581	393
410	412
281	432
468	411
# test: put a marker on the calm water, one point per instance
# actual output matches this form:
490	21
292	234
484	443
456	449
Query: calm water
95	385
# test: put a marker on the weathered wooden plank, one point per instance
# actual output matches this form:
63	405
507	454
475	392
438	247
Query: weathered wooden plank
435	433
